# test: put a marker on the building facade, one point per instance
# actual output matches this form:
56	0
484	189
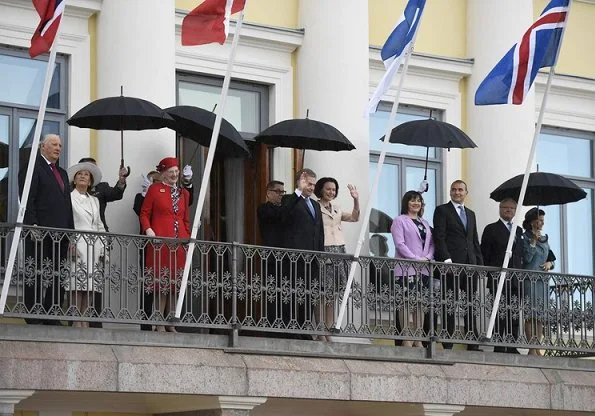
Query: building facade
298	57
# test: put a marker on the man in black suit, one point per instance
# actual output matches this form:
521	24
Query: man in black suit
456	241
494	241
48	205
302	230
269	215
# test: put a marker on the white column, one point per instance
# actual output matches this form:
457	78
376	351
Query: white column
442	409
10	398
503	133
135	49
333	83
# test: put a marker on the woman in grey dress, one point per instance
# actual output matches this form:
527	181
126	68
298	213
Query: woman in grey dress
535	257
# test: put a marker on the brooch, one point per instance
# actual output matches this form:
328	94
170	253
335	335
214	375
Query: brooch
162	190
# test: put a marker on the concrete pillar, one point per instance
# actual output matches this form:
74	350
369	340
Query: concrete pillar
333	83
136	50
9	398
233	406
503	133
442	409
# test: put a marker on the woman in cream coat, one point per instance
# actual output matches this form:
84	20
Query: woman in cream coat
333	216
90	257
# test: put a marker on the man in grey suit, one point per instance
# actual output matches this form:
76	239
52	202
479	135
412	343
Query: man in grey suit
457	241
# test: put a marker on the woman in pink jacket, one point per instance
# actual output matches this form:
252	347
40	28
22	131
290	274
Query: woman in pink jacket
413	241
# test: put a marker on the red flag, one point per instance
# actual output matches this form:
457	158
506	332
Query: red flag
209	22
50	12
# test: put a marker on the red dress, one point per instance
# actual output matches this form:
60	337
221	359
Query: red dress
165	210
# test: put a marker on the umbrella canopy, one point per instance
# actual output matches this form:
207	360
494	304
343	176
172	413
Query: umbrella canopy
430	133
121	113
380	222
543	189
304	133
196	123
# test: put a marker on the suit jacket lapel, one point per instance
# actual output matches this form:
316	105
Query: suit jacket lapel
454	212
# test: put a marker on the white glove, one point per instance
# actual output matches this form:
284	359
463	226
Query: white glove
187	173
146	183
423	186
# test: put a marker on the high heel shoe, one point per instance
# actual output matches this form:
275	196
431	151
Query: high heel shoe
170	329
160	328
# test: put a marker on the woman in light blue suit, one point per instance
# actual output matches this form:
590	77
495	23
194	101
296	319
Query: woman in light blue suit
413	241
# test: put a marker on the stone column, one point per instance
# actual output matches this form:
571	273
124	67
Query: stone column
234	406
503	133
442	409
136	50
333	83
9	398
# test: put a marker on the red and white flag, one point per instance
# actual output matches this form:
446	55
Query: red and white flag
209	22
50	12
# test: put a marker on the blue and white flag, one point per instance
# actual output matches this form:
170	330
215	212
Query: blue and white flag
512	77
397	45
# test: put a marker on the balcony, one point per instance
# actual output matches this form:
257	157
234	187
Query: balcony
251	325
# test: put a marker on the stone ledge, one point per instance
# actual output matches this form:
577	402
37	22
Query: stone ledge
116	367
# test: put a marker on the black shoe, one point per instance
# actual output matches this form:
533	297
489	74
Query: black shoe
500	349
512	350
51	322
474	348
447	346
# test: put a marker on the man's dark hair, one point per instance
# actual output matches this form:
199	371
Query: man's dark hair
308	172
87	159
460	181
320	184
272	184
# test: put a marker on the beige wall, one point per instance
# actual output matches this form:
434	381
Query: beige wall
281	13
577	56
442	30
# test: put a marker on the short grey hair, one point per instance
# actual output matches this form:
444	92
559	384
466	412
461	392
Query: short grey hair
47	137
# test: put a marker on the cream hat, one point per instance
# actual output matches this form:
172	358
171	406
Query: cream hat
74	169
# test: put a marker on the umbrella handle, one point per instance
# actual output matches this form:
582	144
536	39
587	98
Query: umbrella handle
127	167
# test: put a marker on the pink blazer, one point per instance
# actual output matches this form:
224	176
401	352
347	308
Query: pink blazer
409	244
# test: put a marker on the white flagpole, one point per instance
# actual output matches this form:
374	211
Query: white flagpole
209	164
32	156
523	191
367	212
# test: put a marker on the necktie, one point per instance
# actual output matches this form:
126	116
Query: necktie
509	225
310	207
57	175
463	215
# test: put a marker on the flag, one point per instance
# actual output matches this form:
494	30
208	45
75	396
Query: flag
512	77
209	22
50	12
396	47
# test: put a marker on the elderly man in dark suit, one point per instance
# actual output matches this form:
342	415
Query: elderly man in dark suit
456	241
269	215
302	230
494	241
48	205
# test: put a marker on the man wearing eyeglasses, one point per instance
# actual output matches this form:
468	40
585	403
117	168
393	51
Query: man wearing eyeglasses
269	215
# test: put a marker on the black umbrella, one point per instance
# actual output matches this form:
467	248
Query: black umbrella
197	124
380	222
305	133
543	189
430	133
121	113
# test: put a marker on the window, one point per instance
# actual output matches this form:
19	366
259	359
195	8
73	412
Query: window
570	227
21	84
403	170
232	198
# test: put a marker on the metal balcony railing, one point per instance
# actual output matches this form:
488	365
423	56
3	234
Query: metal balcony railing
85	278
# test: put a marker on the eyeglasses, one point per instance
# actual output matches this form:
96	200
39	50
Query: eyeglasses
277	191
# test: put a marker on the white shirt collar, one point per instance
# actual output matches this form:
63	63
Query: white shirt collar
456	204
45	158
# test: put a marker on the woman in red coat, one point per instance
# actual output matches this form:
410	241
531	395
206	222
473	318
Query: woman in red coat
164	213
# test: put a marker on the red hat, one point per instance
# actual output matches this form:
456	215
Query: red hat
166	163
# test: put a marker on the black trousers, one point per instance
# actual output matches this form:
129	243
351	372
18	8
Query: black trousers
44	289
507	324
461	286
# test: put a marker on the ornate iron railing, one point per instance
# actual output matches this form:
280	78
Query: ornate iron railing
94	278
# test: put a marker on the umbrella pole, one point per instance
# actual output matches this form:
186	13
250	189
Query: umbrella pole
367	212
209	164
